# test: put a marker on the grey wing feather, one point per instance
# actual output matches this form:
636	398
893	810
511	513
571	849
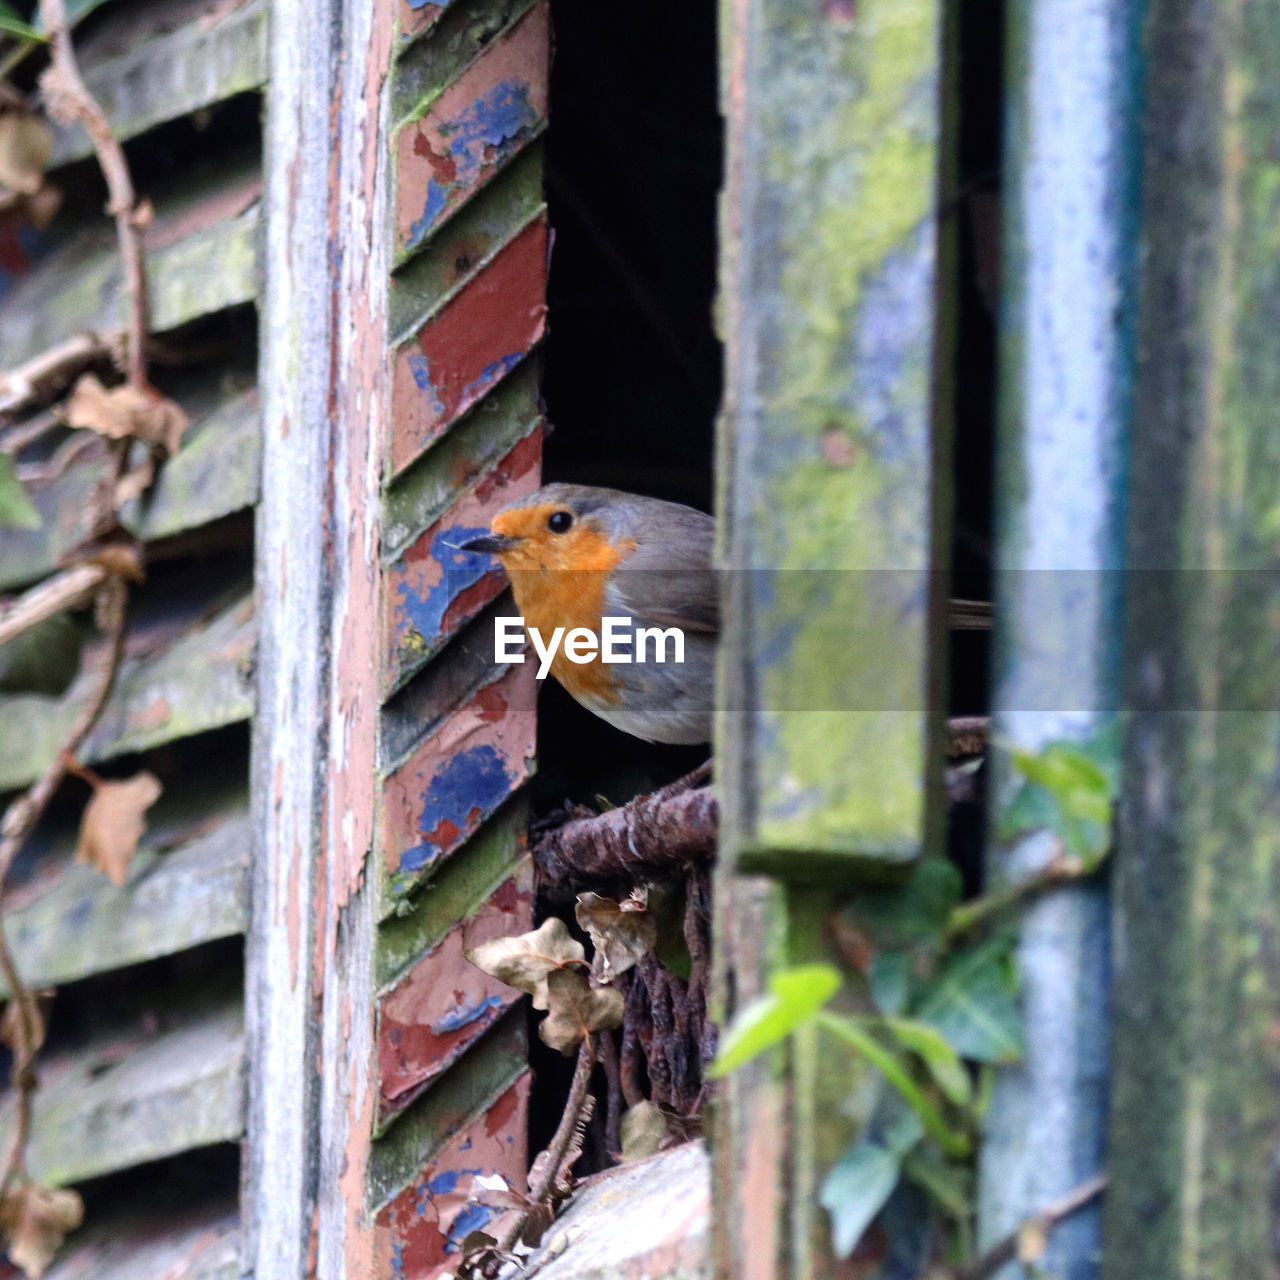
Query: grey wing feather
671	582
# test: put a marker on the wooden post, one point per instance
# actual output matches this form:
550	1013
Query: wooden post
1066	352
829	518
406	249
1195	1112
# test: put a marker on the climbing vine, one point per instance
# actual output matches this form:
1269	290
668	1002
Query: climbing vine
92	385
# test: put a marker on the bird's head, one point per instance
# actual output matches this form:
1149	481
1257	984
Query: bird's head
559	527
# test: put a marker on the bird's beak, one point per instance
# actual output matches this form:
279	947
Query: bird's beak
491	543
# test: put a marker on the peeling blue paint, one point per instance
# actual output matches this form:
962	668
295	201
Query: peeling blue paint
473	1218
397	1261
463	1016
417	5
484	133
491	373
472	781
462	569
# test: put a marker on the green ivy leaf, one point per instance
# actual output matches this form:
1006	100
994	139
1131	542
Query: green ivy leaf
795	995
858	1186
910	913
16	510
949	1185
937	1054
890	981
13	24
973	1003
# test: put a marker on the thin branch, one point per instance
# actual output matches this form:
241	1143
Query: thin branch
69	100
66	590
972	915
544	1177
671	828
30	382
1004	1251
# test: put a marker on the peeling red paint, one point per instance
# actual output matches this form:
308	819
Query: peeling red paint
468	346
443	1004
477	124
457	777
419	1229
433	588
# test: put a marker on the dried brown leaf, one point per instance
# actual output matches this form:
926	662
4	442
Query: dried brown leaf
621	932
113	824
26	143
124	559
524	960
34	1221
576	1009
125	412
644	1131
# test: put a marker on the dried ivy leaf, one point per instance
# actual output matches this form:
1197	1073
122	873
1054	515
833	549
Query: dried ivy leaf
113	824
525	960
122	412
34	1221
26	143
644	1131
621	932
577	1009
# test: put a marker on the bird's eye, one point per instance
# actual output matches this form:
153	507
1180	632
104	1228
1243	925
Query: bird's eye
560	521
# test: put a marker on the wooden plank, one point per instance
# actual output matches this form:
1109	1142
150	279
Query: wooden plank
81	924
411	1237
828	738
646	1218
1061	472
97	1112
324	380
200	681
202	259
1191	1148
458	778
179	59
442	1004
200	1244
432	588
472	128
214	474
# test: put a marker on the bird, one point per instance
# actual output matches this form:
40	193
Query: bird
578	554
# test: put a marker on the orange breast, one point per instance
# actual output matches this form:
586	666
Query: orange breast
568	598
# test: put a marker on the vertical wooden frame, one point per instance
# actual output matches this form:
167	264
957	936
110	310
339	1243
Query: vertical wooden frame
832	505
400	412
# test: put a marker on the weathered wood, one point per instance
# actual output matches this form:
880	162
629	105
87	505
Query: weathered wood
201	680
82	924
829	734
161	72
646	1218
96	1112
171	1245
1061	464
323	378
202	259
1192	1144
213	474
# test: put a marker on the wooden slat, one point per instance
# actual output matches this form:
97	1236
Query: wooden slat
179	58
81	924
202	259
121	1103
213	474
201	1244
201	681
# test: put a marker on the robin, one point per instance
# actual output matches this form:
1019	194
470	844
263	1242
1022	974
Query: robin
578	555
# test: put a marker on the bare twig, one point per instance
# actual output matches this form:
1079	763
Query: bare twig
69	100
32	381
547	1167
19	820
18	437
1004	1251
66	590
